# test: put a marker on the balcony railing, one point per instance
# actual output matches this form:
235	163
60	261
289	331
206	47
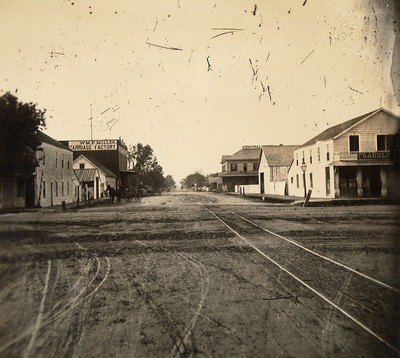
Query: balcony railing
361	156
239	173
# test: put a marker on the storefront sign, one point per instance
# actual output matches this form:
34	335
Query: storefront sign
80	145
372	155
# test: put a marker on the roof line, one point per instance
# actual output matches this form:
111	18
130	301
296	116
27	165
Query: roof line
357	123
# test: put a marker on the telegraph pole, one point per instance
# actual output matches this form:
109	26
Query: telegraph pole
91	123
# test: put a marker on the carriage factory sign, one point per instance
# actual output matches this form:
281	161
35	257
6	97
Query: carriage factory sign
106	144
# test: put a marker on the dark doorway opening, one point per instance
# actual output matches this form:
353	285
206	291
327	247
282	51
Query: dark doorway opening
371	181
348	181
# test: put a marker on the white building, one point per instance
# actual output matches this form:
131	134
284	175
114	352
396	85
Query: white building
53	180
351	159
275	162
93	177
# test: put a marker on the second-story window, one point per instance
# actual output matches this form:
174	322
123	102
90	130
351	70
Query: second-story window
384	142
319	155
354	143
327	153
245	167
81	165
310	156
297	159
56	160
233	167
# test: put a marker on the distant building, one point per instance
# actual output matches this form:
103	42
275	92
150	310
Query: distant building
53	181
93	177
275	162
112	153
351	159
240	168
214	182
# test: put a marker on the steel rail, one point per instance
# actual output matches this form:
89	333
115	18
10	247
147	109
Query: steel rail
314	253
355	320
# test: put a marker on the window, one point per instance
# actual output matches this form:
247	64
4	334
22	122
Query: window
384	142
310	156
62	161
81	165
44	188
44	157
62	188
297	180
291	180
56	160
68	164
297	159
319	154
327	153
354	143
233	167
311	180
245	167
271	174
68	186
56	188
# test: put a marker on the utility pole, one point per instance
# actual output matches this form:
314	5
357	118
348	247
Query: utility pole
91	123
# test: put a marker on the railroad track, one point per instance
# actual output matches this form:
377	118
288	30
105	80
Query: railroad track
371	304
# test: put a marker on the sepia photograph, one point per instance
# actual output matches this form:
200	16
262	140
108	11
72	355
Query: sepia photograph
185	178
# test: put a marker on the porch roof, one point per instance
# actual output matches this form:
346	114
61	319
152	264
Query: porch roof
85	175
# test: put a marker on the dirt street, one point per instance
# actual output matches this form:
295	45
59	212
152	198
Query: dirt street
200	274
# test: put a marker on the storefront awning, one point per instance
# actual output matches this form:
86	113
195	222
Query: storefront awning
85	175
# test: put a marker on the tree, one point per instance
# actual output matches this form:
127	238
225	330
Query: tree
19	123
142	160
196	178
169	182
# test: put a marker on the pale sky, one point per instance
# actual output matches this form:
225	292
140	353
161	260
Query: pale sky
277	73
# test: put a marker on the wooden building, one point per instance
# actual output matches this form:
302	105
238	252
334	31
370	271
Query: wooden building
351	159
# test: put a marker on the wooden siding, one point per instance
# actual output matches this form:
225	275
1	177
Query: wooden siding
380	123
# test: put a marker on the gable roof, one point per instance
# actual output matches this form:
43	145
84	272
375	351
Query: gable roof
98	165
44	138
334	131
279	155
244	154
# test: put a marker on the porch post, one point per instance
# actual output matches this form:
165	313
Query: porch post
384	189
360	191
336	182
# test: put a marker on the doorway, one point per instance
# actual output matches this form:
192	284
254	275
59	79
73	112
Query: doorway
348	181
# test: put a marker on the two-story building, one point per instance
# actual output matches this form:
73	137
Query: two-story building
53	181
275	161
351	159
240	168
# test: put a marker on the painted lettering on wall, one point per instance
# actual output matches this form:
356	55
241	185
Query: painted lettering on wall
104	144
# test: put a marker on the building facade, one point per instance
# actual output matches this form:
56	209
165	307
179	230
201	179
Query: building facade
275	161
111	153
93	178
240	168
351	159
53	181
